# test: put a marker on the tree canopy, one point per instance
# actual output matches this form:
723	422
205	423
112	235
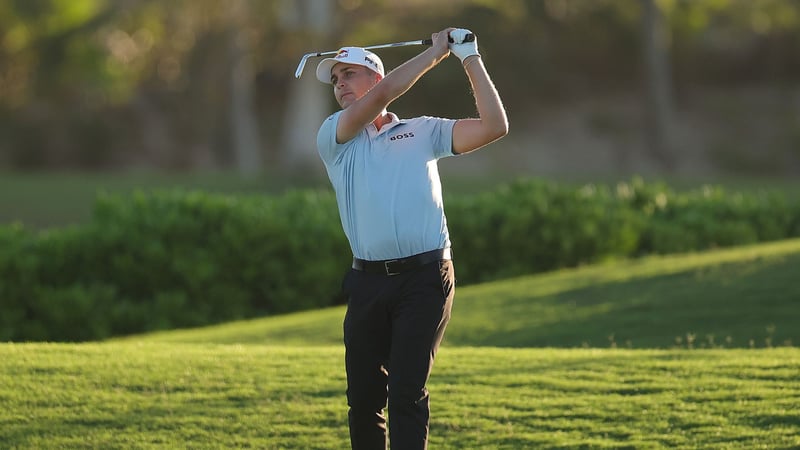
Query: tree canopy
114	83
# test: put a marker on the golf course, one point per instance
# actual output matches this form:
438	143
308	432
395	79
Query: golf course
406	225
687	351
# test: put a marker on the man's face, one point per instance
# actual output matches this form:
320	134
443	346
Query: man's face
351	82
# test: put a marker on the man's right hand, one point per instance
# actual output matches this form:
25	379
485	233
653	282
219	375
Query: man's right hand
441	45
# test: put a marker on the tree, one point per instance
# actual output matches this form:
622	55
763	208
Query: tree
244	125
308	99
658	85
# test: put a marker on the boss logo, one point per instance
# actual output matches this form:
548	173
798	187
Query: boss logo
398	137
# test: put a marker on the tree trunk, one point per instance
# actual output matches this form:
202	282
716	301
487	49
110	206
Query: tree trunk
658	98
244	125
309	100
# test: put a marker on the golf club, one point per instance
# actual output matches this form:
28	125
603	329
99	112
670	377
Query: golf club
304	59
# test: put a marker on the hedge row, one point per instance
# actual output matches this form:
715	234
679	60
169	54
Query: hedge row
170	259
162	260
533	225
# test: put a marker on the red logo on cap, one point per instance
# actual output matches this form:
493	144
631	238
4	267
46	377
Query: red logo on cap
341	54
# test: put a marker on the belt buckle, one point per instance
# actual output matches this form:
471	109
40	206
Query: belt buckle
386	267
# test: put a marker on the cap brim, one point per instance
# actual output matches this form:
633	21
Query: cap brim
324	69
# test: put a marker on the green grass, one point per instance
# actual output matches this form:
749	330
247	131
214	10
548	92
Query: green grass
741	297
511	374
160	395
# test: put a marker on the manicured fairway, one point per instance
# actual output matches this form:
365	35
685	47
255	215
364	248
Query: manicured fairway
160	395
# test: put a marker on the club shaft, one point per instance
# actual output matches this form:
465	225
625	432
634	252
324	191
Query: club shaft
469	38
396	44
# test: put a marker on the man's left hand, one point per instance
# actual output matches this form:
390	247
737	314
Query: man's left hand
460	48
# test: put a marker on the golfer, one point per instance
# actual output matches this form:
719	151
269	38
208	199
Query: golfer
401	286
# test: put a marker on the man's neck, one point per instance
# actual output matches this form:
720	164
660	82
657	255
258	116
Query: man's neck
382	120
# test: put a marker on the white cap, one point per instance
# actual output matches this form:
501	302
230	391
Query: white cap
349	55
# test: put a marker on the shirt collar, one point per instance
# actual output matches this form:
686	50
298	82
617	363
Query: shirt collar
393	122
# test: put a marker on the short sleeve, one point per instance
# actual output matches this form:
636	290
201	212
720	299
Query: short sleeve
326	139
442	136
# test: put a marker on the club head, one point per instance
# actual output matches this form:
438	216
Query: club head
302	65
304	60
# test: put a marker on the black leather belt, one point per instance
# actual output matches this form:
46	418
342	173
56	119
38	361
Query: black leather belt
400	265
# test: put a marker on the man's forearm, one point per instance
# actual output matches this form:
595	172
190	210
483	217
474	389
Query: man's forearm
400	80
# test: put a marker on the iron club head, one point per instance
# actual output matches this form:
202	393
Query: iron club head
304	60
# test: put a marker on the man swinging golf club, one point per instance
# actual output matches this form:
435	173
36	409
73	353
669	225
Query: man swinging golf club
402	283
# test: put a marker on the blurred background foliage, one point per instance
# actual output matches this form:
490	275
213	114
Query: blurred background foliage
208	84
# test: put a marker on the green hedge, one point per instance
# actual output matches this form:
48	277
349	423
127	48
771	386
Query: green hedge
170	259
533	226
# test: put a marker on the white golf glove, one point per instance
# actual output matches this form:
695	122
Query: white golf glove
459	47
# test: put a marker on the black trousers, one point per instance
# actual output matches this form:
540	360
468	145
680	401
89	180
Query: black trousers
392	331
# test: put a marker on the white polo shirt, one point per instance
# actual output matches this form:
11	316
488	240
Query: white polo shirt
387	185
